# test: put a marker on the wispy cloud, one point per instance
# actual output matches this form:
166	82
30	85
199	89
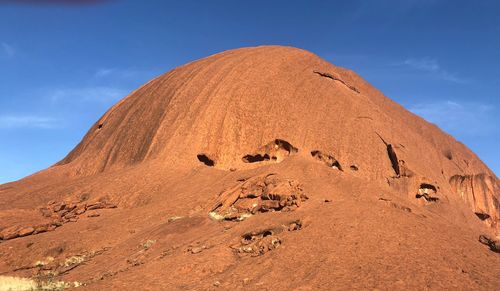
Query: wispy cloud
87	94
458	118
425	64
27	121
430	66
131	73
8	49
103	73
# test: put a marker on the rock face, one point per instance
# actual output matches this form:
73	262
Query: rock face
480	192
267	103
258	139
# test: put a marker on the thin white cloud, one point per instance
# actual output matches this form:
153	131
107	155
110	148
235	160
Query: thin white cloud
458	118
103	73
87	94
425	64
27	121
116	73
430	66
8	50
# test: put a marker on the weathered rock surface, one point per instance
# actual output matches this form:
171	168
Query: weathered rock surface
481	192
58	213
258	194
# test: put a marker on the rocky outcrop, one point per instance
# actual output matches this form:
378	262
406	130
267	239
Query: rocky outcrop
57	213
258	194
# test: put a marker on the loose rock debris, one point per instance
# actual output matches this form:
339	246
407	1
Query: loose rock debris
260	242
59	213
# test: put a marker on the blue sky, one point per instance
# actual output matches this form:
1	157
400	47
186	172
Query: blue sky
62	66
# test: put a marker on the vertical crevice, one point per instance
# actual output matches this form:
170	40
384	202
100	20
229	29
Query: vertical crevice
392	156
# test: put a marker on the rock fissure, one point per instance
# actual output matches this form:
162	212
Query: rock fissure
331	76
392	156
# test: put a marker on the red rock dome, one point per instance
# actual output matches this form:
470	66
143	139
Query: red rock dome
270	140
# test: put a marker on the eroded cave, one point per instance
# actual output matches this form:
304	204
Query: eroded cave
481	215
427	192
276	151
329	160
205	160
